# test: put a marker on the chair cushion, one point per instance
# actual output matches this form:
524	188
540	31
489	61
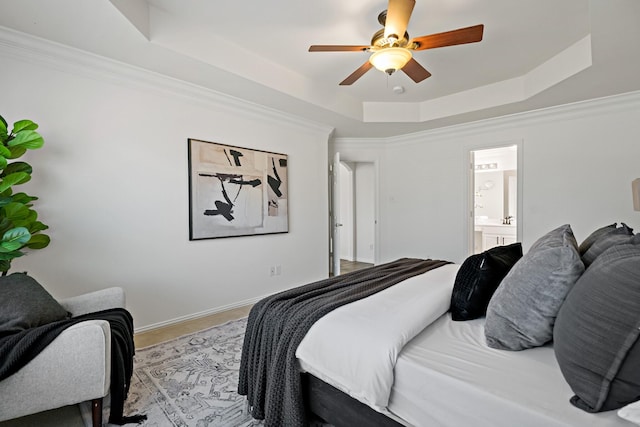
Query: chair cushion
478	278
25	304
596	332
523	309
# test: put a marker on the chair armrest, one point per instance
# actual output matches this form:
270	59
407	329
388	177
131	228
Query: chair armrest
94	301
75	367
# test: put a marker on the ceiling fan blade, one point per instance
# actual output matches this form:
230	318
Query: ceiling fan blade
357	74
398	14
337	48
415	71
450	38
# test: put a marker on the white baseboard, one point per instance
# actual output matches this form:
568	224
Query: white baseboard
198	315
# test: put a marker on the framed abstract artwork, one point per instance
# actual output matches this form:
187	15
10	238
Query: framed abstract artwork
236	191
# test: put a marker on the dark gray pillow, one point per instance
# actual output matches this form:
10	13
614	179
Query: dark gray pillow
617	236
25	304
596	332
477	280
586	243
523	309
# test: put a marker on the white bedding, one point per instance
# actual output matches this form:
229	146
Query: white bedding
355	347
445	375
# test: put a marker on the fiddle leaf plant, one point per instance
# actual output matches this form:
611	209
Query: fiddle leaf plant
19	226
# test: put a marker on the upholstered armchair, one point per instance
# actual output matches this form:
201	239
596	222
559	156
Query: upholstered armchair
74	368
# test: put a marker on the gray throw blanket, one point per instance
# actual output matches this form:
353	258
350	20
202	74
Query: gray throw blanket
269	375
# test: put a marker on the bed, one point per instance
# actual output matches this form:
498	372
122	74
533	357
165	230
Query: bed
397	358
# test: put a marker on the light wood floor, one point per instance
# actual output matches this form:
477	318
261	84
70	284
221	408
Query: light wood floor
155	336
349	266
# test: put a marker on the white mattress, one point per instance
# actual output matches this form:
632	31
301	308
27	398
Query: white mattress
447	376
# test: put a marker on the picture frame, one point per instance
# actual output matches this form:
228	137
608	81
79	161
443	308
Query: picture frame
235	191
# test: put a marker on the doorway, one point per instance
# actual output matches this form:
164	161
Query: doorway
494	197
353	215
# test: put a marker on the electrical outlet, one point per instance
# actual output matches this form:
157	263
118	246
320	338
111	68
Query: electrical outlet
272	270
278	270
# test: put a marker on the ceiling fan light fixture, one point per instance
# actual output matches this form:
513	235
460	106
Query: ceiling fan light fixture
390	59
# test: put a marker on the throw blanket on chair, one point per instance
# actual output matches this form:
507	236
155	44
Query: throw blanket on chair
269	375
18	349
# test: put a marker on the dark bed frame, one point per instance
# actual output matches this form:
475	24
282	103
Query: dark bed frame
339	409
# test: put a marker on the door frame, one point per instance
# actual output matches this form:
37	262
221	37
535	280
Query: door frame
469	189
350	157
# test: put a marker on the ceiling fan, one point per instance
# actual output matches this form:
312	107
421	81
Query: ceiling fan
392	47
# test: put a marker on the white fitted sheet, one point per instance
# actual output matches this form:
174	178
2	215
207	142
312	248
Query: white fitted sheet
448	377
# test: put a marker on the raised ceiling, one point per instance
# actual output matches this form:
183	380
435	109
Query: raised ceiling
534	54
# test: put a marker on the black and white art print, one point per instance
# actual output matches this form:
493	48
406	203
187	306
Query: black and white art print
235	191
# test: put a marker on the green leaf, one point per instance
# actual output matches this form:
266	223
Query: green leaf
16	152
38	241
23	198
5	200
21	125
3	161
29	139
5	265
26	222
37	226
16	212
9	255
15	238
5	224
14	179
3	130
4	151
17	167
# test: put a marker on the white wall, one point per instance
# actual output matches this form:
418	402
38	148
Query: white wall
112	181
347	231
365	211
578	164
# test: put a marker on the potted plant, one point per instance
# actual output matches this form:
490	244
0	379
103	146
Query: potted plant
19	225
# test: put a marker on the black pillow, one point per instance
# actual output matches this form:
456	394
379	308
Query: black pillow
25	304
478	278
596	332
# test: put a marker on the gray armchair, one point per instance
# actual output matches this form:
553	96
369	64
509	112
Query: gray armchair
74	368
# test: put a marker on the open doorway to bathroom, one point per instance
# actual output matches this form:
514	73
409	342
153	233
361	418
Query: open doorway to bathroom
494	197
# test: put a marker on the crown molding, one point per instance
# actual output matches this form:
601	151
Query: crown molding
36	50
598	106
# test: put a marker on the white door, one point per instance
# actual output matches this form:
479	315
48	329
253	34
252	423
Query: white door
335	215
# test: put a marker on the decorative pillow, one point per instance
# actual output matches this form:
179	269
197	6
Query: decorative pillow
478	278
25	304
586	244
617	236
523	309
596	332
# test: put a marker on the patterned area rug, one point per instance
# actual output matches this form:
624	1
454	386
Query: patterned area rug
191	381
